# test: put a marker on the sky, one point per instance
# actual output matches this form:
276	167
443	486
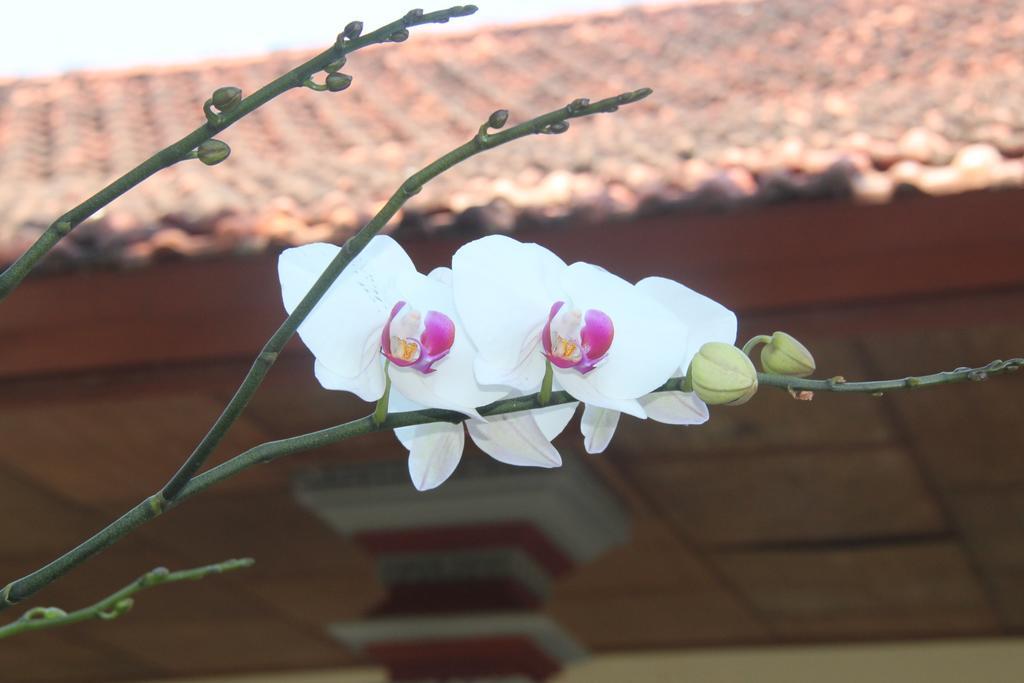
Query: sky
60	35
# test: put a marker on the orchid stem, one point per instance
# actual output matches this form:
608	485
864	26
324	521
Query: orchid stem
380	413
878	387
17	591
12	276
115	604
754	341
544	397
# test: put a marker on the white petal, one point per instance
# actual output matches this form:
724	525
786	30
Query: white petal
675	408
503	292
706	320
367	385
582	390
434	453
355	307
649	340
514	439
552	420
598	427
453	386
524	378
400	404
434	449
442	274
421	389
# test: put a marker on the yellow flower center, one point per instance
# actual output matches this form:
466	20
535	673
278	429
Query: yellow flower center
567	348
404	348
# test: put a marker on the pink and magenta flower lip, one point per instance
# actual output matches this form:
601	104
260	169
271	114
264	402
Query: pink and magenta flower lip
574	339
411	340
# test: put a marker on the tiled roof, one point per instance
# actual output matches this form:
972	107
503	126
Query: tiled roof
754	101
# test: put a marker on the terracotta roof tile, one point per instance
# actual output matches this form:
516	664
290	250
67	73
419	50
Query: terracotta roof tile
754	102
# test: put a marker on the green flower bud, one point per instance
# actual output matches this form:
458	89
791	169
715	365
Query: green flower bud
784	355
338	82
498	118
337	65
399	36
352	30
226	98
212	152
557	128
578	104
721	374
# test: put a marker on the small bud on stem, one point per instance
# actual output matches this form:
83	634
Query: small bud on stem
577	105
212	152
338	82
226	98
498	119
337	65
784	355
721	374
556	128
353	30
412	16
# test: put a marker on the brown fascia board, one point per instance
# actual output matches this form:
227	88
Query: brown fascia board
793	260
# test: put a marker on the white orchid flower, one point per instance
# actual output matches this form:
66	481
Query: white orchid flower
608	342
706	320
382	316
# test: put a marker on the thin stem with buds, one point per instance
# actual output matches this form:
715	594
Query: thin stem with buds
270	451
185	148
878	387
117	603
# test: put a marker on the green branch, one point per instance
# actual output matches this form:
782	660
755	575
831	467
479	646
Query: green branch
115	604
273	450
185	148
270	451
840	385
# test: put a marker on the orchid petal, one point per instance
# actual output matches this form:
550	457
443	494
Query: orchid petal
598	427
438	333
649	340
356	305
434	449
503	291
706	319
552	420
434	452
441	274
580	388
525	377
367	385
514	439
597	334
675	408
400	404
